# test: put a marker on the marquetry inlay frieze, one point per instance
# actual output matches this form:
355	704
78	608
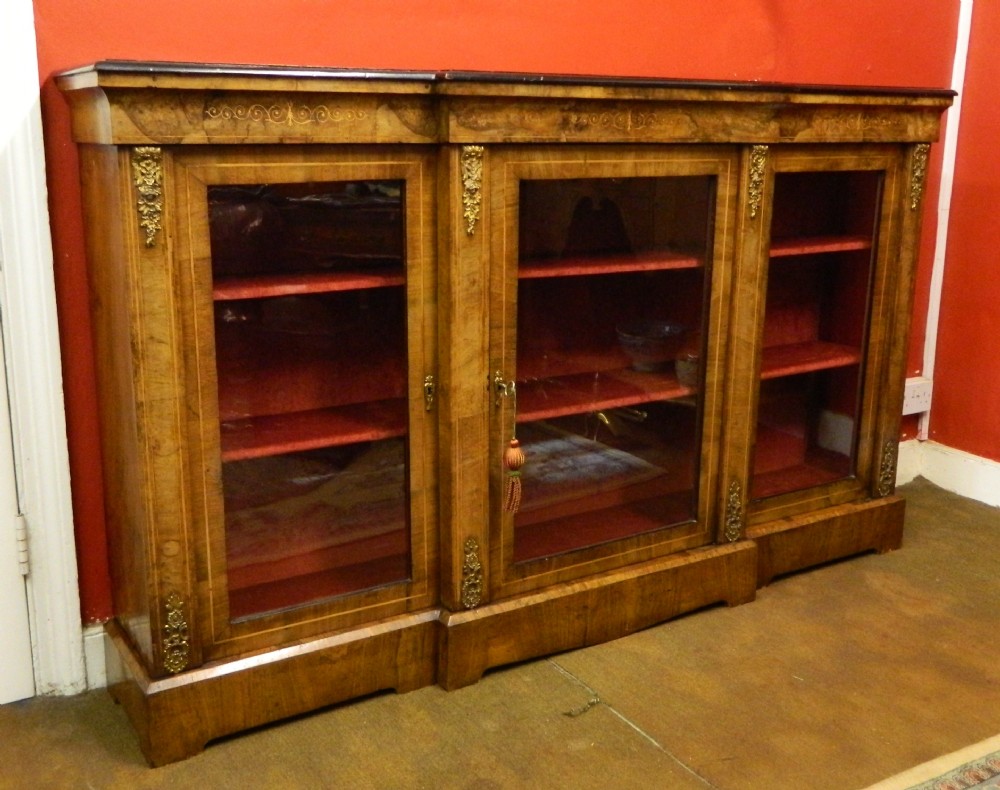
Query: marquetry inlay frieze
619	120
283	113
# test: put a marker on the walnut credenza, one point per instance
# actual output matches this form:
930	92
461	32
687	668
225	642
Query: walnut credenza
409	375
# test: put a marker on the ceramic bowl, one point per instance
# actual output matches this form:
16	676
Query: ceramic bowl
651	345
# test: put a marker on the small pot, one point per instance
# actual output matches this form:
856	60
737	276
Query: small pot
651	344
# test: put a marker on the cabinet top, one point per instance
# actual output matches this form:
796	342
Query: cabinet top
134	73
137	102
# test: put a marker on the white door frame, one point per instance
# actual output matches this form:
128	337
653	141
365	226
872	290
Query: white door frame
27	297
17	680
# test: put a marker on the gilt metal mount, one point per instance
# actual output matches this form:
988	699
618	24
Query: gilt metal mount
472	185
175	635
147	174
887	471
918	173
734	512
755	189
472	575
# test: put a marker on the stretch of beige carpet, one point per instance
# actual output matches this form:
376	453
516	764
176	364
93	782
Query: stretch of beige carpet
834	678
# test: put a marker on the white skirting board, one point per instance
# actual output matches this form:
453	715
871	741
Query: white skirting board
953	470
909	463
94	640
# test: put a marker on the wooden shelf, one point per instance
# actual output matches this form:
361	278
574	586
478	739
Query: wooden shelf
602	525
567	362
815	245
794	358
541	399
255	437
304	528
817	468
263	286
323	573
606	264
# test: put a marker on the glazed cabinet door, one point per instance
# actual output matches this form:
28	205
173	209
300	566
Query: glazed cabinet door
309	280
606	338
820	268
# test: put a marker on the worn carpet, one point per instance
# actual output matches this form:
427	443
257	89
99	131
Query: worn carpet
976	766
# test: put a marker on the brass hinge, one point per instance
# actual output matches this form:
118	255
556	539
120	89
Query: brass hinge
21	533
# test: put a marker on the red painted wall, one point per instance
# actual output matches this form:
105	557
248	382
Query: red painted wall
890	42
966	408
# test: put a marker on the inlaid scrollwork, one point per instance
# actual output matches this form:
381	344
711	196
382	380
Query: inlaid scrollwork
918	173
472	575
175	635
620	120
147	174
755	189
472	185
734	512
284	114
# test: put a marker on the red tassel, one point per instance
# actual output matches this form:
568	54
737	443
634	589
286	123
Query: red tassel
513	460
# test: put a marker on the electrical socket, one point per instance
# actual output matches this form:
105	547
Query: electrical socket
917	395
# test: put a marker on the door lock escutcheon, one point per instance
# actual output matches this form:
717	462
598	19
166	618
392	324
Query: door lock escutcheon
503	388
430	390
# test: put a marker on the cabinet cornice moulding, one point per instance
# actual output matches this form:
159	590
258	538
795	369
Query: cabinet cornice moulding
164	103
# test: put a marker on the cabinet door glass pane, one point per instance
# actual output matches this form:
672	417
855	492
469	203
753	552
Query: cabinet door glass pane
610	307
310	335
815	329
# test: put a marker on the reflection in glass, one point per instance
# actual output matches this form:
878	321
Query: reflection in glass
610	303
287	228
310	335
303	526
819	284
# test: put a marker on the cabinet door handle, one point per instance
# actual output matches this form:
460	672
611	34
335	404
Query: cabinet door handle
513	455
